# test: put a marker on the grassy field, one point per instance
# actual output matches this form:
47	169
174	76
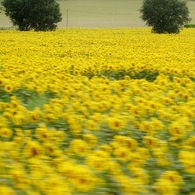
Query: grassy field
110	13
100	13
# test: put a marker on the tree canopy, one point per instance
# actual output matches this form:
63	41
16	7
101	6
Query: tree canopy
1	8
38	15
165	16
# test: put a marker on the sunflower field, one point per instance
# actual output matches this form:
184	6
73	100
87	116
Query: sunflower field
97	111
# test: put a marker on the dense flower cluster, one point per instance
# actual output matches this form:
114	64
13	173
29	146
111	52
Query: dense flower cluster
97	111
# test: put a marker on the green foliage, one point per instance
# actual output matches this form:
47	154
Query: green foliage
1	8
165	16
38	15
120	75
189	26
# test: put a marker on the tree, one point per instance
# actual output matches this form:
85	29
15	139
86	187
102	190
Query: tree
1	9
38	15
165	16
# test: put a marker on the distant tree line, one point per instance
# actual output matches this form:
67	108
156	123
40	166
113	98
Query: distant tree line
164	16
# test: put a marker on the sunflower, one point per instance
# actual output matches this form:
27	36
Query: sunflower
172	176
165	187
97	163
79	147
188	163
5	132
32	149
115	123
177	130
83	179
42	133
5	190
8	88
150	142
90	139
123	154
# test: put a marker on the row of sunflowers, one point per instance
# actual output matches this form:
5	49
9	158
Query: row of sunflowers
97	111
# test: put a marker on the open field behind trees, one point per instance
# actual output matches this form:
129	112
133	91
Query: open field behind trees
100	13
